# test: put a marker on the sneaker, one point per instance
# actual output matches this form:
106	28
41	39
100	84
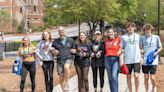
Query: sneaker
66	87
154	90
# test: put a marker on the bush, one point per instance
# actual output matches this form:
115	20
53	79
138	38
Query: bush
37	28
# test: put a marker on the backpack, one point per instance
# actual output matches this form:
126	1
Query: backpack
16	67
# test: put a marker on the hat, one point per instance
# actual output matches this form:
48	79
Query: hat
97	32
60	29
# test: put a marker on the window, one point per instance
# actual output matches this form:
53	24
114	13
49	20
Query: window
35	7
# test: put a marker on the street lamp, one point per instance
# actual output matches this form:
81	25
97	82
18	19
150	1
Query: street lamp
144	17
158	17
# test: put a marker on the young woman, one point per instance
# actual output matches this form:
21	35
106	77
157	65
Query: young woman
97	60
26	53
45	50
112	52
82	62
150	43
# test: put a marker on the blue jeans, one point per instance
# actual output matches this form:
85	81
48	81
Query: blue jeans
112	67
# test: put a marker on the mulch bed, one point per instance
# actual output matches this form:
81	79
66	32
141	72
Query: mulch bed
10	82
160	76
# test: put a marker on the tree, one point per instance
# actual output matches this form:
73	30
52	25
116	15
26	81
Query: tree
4	19
90	11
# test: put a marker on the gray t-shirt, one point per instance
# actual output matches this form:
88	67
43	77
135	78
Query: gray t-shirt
131	47
150	44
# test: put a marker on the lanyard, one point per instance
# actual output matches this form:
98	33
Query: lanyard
24	52
132	42
146	42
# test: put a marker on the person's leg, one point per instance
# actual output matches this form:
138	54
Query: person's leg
137	81
85	71
80	79
101	73
51	70
67	66
60	69
146	79
153	82
153	77
23	77
45	70
129	82
137	67
145	70
94	72
108	67
114	74
32	76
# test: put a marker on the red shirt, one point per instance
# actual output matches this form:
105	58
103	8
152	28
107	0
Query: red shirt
112	46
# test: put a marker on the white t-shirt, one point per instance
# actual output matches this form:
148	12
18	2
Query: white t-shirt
131	47
151	44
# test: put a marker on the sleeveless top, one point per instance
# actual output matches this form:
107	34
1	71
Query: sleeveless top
27	54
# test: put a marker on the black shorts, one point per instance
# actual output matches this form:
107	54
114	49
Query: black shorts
149	69
135	67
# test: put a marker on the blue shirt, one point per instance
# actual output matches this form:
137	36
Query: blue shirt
150	44
131	47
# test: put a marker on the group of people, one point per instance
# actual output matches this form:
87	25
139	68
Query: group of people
108	52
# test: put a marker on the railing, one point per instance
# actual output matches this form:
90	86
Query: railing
14	45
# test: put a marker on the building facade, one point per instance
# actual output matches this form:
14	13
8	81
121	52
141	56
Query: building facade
18	10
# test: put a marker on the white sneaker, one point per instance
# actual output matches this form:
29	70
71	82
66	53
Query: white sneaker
155	89
66	87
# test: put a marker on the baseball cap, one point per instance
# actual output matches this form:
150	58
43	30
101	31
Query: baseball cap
97	32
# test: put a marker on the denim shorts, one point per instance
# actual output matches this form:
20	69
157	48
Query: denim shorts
60	66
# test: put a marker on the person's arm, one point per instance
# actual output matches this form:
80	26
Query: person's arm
122	44
141	44
73	49
19	52
121	59
120	49
54	51
159	46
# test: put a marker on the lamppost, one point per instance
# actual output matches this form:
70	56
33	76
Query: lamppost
158	17
144	14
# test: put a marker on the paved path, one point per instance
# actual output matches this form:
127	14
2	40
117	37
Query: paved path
122	84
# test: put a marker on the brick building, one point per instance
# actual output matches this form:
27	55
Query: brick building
16	10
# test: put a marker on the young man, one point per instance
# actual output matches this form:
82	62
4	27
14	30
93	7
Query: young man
65	47
150	43
132	56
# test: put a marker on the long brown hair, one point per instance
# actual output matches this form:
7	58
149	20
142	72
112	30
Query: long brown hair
87	41
113	31
46	30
